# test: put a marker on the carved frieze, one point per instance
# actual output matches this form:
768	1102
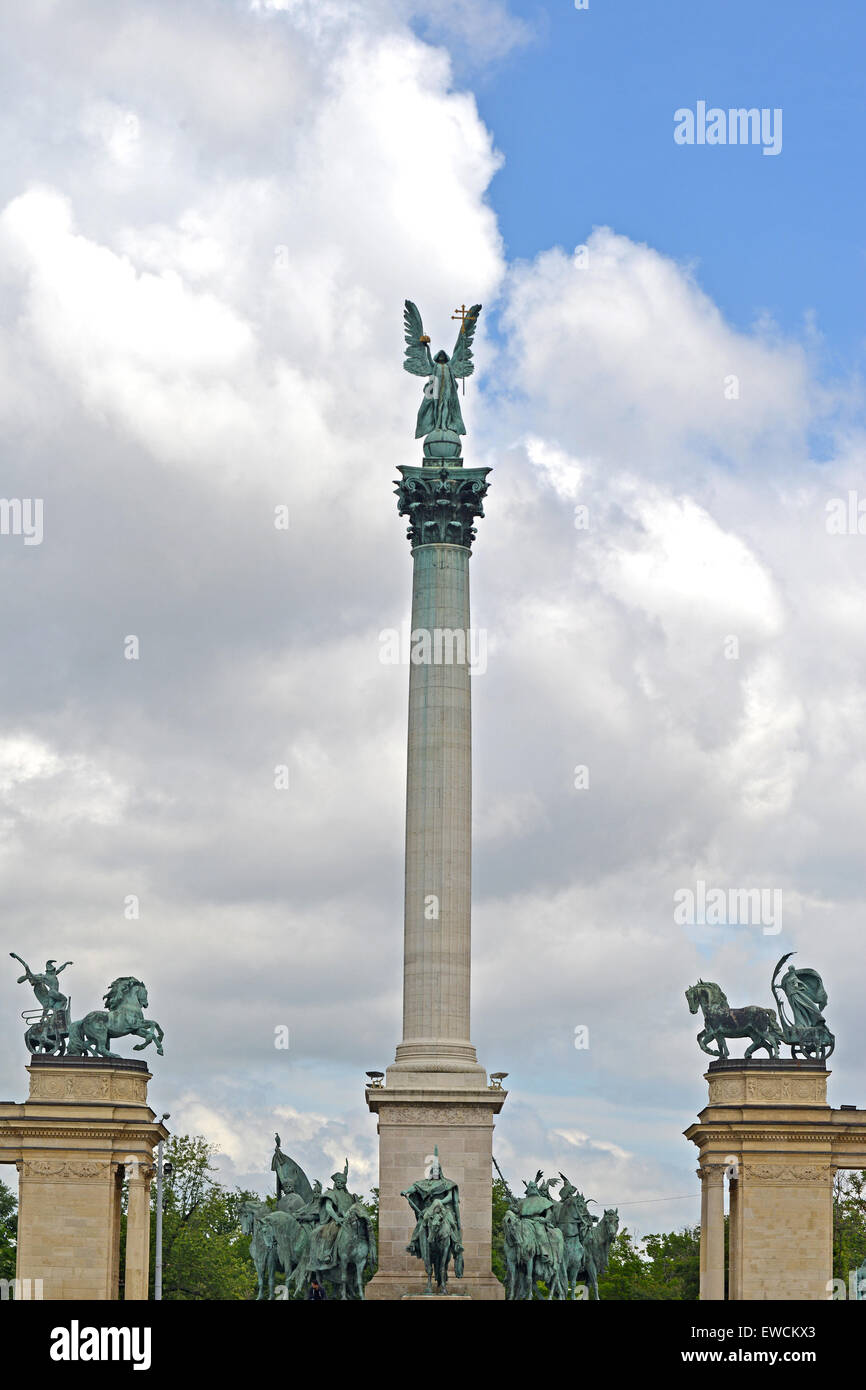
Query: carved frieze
788	1174
84	1085
60	1170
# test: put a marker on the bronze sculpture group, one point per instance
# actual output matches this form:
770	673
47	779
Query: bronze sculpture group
50	1032
800	1023
310	1234
555	1241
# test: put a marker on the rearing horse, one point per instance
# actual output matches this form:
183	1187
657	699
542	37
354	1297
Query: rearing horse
721	1021
125	1001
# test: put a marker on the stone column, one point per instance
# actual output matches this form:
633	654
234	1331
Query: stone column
712	1231
436	1093
137	1267
441	502
85	1121
735	1240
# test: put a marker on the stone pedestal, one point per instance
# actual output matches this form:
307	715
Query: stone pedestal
411	1124
770	1132
85	1125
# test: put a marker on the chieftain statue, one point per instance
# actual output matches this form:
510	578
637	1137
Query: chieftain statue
804	1029
312	1234
555	1242
437	1238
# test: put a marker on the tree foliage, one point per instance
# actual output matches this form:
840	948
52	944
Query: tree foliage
8	1231
205	1255
849	1222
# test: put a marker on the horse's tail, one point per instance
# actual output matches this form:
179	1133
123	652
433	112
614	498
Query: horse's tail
76	1045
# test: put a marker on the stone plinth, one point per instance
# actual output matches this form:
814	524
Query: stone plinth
85	1125
411	1124
769	1131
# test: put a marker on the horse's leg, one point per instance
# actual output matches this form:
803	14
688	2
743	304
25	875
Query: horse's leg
145	1031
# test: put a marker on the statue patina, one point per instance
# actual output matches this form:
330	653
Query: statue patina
326	1234
806	1032
437	1239
440	419
47	1030
804	1029
534	1244
51	1032
123	1015
555	1242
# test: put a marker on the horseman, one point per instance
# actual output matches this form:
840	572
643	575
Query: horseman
332	1208
571	1214
421	1196
535	1205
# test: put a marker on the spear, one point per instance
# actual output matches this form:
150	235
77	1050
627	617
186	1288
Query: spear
509	1194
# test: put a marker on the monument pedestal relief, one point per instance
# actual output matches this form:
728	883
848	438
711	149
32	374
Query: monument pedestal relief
436	1092
84	1127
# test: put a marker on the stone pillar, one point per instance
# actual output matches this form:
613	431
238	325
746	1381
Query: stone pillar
735	1240
436	1093
85	1122
137	1269
712	1231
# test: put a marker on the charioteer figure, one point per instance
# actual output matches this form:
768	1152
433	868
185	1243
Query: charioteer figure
47	1032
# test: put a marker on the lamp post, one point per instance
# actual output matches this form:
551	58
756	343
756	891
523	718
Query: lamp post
161	1169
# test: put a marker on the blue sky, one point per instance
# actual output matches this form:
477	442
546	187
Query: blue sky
583	113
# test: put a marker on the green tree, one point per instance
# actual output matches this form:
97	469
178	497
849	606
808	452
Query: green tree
849	1222
8	1231
204	1253
501	1205
658	1268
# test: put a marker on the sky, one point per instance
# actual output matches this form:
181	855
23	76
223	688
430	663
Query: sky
210	215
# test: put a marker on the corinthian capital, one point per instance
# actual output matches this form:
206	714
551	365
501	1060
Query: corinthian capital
441	503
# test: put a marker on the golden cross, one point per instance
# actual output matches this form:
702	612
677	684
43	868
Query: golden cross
463	315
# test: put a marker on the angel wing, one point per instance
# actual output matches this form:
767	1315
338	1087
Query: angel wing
417	360
461	358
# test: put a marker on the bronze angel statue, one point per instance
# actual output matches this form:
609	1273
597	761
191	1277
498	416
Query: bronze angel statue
440	408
